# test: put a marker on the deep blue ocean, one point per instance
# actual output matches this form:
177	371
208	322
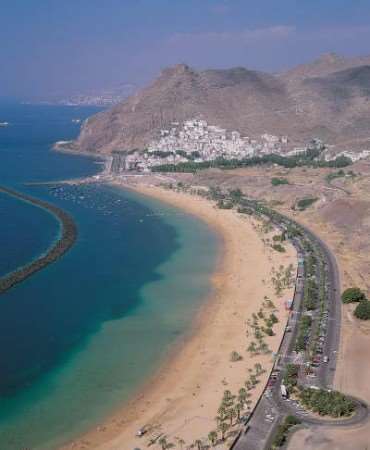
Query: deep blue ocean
79	337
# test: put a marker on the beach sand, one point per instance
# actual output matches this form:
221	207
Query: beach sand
182	399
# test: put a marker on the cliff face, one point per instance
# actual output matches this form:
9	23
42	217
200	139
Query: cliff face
308	101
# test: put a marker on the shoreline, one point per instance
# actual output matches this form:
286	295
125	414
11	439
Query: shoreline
56	250
190	409
105	160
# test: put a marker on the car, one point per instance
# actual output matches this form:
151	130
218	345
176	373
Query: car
141	432
326	359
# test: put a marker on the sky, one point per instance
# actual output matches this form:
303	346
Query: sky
64	47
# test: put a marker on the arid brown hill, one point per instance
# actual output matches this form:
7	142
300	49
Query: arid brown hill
325	65
306	102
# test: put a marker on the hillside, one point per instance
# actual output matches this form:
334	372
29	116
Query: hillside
325	65
328	99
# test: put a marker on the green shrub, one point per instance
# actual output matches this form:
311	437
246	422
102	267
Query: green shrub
304	203
268	331
278	248
235	356
223	204
291	375
353	294
279	181
362	310
273	318
283	429
248	211
292	420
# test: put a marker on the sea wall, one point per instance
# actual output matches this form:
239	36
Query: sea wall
66	240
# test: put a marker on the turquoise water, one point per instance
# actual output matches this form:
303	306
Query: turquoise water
80	336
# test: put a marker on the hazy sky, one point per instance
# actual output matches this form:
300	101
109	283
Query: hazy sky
52	47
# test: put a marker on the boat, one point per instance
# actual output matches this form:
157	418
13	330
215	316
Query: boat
4	124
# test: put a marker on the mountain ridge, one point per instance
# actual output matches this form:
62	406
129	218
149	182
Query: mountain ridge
312	100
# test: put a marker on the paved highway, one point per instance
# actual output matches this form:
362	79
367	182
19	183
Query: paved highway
272	408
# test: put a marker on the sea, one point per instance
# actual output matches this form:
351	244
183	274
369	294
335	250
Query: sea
80	337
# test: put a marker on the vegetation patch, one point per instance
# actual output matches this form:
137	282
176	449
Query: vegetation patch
326	403
303	333
356	295
279	248
283	278
305	203
247	211
283	430
224	204
279	181
339	174
362	310
353	294
235	356
309	158
291	375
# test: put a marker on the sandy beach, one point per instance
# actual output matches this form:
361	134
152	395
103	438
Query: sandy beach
182	398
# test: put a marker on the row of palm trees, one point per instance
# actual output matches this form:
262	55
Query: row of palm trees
229	414
282	278
259	345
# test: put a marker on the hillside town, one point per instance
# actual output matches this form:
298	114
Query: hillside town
197	141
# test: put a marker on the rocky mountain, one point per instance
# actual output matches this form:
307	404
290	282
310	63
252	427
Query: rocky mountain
326	64
328	98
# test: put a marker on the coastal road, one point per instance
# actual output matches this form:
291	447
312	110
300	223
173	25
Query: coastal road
272	408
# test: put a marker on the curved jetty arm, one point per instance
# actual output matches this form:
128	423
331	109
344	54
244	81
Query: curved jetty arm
63	244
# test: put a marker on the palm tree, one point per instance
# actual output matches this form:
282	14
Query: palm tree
227	395
212	437
259	369
222	412
163	442
242	396
180	441
253	379
228	399
231	415
223	427
239	409
258	334
264	348
248	385
252	348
